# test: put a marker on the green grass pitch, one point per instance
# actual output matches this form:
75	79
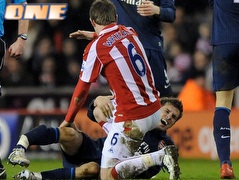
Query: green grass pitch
195	169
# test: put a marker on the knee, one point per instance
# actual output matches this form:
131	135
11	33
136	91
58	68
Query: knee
67	134
94	168
91	169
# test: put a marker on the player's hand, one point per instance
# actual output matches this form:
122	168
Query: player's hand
89	35
17	48
105	105
147	8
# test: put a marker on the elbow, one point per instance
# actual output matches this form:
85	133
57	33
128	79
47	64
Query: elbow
168	15
172	19
172	15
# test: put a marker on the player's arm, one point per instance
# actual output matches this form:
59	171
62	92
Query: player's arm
148	8
77	100
81	34
166	11
17	48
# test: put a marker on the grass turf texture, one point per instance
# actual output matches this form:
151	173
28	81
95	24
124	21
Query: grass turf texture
195	169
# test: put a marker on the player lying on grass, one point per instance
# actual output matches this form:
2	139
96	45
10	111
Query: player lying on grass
82	155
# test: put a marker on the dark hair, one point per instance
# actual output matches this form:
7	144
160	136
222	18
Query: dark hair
175	102
103	12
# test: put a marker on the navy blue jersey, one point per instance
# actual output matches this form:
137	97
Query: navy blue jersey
225	22
148	30
146	27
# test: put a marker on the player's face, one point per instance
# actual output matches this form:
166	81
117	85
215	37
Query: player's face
168	115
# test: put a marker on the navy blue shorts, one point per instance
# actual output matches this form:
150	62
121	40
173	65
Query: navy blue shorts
90	150
225	67
159	67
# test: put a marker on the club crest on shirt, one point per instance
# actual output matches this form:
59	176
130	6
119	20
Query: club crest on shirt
83	65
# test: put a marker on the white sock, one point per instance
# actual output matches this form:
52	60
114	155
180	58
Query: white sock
157	156
132	167
23	141
37	175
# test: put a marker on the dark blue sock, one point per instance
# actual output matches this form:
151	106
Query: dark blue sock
62	173
222	134
1	166
42	135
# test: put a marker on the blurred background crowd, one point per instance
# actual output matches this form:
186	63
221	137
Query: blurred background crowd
52	59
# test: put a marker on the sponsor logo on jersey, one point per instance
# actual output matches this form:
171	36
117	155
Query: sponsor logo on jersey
133	2
36	11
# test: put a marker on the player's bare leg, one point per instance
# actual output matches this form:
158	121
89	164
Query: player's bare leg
91	169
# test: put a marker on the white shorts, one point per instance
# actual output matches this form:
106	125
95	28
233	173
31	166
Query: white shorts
124	138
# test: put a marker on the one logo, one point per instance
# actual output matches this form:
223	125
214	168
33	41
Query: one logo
36	11
224	137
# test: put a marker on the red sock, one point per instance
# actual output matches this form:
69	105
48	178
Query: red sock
114	173
101	123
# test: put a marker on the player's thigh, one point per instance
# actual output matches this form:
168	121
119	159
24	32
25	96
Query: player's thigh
70	140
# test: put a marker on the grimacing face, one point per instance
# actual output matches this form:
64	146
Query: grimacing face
168	115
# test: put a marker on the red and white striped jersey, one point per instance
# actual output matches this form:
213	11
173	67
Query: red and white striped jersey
118	55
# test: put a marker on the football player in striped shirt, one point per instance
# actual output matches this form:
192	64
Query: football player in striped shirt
118	55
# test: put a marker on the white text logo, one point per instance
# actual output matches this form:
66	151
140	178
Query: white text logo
36	11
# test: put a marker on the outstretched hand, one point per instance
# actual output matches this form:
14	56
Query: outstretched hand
80	34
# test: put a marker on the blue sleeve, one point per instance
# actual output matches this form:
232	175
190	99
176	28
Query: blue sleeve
167	11
90	111
18	1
